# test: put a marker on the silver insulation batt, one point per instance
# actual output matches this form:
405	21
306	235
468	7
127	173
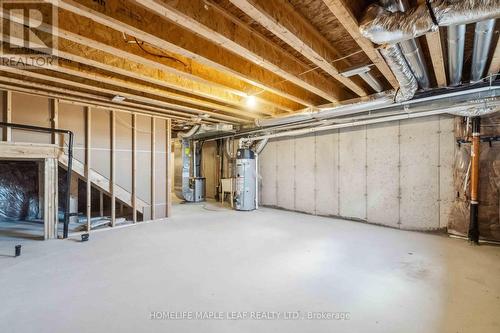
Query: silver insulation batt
382	26
403	73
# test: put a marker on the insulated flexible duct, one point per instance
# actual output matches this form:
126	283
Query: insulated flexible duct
396	61
411	48
382	26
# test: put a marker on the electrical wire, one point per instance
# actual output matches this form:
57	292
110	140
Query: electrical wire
159	55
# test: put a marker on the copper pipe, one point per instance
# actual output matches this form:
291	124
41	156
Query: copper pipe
474	180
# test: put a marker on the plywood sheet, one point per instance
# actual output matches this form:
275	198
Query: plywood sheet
30	110
327	177
285	173
267	179
353	173
72	117
100	131
420	173
383	174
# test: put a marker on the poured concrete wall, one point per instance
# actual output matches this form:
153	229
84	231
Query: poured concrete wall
397	174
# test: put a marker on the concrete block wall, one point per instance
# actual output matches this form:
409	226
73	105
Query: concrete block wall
397	174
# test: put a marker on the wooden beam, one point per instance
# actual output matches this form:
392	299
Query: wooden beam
341	10
222	30
112	178
96	86
134	168
170	37
436	52
168	150
7	115
282	20
153	168
88	159
495	61
85	99
28	150
184	74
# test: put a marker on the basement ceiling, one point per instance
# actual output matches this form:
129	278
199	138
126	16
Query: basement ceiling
230	61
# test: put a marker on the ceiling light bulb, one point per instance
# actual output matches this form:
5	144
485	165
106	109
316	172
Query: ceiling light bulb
251	101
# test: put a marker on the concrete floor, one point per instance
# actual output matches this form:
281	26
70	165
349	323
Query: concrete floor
268	260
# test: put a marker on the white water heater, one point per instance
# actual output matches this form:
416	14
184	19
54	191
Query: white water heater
245	178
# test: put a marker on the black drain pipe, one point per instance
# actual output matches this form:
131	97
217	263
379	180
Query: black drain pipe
70	162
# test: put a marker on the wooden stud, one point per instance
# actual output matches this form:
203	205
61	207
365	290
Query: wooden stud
168	149
88	159
112	179
134	168
341	10
153	168
7	116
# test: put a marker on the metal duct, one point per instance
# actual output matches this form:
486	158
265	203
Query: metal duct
411	48
482	42
396	61
188	134
358	105
456	43
384	27
466	108
372	81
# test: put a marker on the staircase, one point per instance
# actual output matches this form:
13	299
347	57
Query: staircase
103	183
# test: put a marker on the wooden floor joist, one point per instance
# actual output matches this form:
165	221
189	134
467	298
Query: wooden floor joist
24	84
342	12
173	38
242	40
96	86
436	51
282	20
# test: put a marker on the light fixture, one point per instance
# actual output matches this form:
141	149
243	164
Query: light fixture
251	101
118	99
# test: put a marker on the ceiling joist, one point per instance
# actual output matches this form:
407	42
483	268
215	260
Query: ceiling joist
341	10
172	38
282	20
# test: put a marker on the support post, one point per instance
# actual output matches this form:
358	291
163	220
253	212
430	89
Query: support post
7	116
474	183
113	168
169	168
153	169
88	159
134	167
